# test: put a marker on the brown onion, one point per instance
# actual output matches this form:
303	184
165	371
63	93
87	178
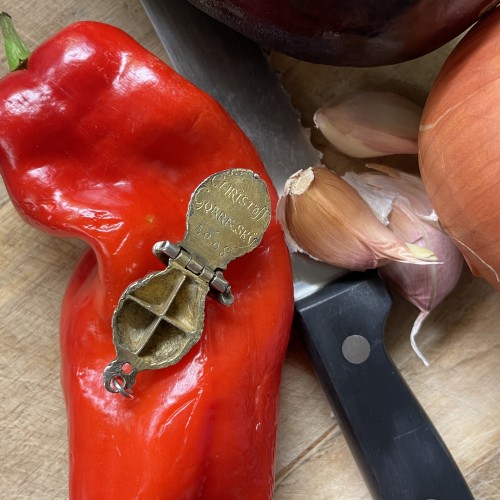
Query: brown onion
459	148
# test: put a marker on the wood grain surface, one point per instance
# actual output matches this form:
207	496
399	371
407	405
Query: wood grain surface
460	391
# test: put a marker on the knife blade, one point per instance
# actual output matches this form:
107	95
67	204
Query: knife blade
342	318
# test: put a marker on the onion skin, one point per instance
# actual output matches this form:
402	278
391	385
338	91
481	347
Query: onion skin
459	149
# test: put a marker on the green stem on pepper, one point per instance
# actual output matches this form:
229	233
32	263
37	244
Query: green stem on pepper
17	52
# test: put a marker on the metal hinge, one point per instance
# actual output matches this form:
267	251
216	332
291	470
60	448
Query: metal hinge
221	289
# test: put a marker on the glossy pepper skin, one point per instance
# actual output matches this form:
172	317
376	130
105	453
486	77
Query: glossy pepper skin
102	141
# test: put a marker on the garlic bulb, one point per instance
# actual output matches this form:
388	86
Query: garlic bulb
323	216
412	218
369	124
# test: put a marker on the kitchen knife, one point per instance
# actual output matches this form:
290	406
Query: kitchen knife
398	450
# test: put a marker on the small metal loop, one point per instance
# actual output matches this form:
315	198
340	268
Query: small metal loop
121	388
113	373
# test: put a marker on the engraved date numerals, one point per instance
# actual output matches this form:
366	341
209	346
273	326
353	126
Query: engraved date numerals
227	216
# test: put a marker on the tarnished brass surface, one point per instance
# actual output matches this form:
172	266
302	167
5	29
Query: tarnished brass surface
160	317
227	217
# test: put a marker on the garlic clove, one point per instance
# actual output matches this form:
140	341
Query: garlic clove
380	191
428	288
423	287
379	200
412	219
370	124
401	184
401	202
323	216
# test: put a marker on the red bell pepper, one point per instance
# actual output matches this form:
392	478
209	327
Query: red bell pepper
100	140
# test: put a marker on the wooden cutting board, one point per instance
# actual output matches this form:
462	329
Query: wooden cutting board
460	391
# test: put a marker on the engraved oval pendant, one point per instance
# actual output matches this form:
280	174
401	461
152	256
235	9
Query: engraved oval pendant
160	317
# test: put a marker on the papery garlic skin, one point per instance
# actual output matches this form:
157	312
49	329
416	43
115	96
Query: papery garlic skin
371	124
421	289
424	288
326	218
380	191
411	219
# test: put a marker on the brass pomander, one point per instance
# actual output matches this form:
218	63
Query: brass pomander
161	316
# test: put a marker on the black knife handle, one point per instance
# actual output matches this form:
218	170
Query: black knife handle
399	451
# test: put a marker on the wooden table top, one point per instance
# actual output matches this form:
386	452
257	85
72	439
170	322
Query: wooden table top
460	390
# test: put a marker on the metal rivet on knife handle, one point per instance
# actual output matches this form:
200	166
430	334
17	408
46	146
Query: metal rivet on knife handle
356	349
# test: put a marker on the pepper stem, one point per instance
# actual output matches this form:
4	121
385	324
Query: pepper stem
17	52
